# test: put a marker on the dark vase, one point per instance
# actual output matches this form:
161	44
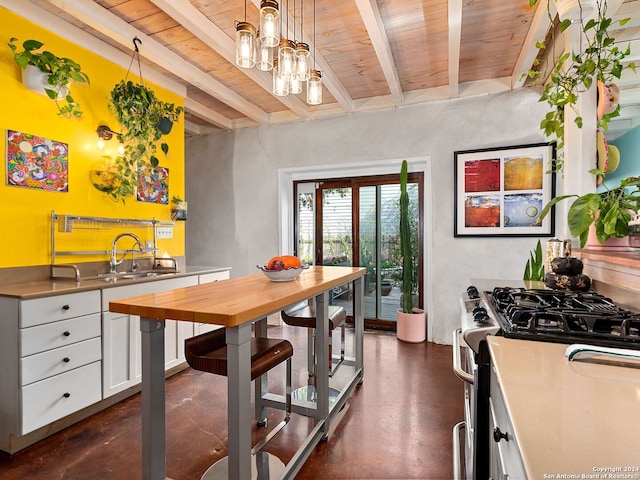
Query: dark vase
165	125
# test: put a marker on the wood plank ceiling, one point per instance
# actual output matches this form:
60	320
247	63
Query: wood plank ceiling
373	54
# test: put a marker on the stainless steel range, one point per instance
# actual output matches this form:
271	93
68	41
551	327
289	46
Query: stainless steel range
530	314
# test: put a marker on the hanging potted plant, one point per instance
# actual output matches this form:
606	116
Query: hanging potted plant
47	74
411	321
574	72
139	112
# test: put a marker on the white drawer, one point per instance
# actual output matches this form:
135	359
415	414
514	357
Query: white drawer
58	307
118	293
213	277
59	360
58	334
58	396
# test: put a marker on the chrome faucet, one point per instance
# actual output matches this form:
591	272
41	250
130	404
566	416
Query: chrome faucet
113	261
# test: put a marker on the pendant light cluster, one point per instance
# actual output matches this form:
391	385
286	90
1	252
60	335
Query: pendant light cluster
289	60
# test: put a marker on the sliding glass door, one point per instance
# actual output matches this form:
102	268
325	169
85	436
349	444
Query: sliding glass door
355	222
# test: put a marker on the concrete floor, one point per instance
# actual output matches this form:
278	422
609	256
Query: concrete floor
396	426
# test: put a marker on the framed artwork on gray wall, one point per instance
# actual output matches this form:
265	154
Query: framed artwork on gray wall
501	191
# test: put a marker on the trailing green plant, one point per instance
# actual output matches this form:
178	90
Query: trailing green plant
534	269
574	72
60	72
610	210
406	246
138	112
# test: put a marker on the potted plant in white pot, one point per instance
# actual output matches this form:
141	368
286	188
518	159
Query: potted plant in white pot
411	320
50	75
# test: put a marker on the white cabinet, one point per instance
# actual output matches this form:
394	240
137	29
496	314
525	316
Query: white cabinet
121	341
505	459
51	360
200	328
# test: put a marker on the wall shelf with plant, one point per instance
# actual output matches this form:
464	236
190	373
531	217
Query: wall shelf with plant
50	75
569	74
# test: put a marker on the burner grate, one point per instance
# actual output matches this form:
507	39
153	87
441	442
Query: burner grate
567	317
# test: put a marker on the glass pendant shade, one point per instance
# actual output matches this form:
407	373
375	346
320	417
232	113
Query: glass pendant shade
295	85
314	88
287	59
269	23
280	85
303	64
264	55
245	45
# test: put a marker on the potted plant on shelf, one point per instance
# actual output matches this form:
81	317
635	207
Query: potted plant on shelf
139	113
411	321
606	214
178	208
50	75
574	72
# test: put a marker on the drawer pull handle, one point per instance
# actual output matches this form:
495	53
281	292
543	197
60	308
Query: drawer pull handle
65	307
498	435
66	359
67	333
66	395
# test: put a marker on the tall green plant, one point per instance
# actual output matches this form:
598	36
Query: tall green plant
408	283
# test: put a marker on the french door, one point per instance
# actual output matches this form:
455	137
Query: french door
354	222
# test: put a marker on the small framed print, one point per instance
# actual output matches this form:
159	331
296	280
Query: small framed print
501	191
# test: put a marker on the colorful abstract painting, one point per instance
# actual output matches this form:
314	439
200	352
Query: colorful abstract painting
153	186
37	162
502	190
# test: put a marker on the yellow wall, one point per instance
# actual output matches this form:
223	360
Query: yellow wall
24	212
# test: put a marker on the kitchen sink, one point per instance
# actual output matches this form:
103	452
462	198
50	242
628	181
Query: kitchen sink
115	277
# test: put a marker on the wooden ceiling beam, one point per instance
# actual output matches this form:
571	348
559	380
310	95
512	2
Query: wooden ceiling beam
183	12
206	113
99	18
373	23
537	32
455	38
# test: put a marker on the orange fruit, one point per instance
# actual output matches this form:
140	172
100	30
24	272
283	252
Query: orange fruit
284	262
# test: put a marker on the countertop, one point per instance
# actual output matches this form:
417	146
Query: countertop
569	418
238	300
45	288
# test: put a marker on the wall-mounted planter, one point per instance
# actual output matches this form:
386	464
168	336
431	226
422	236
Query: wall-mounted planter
574	10
165	125
36	81
179	210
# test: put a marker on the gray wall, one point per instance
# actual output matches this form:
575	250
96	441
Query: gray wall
231	185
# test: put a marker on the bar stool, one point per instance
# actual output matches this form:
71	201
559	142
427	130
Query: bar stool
303	315
208	353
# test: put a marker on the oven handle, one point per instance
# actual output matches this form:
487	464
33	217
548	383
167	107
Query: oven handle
457	428
579	351
457	364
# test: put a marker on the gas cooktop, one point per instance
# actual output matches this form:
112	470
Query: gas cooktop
564	317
